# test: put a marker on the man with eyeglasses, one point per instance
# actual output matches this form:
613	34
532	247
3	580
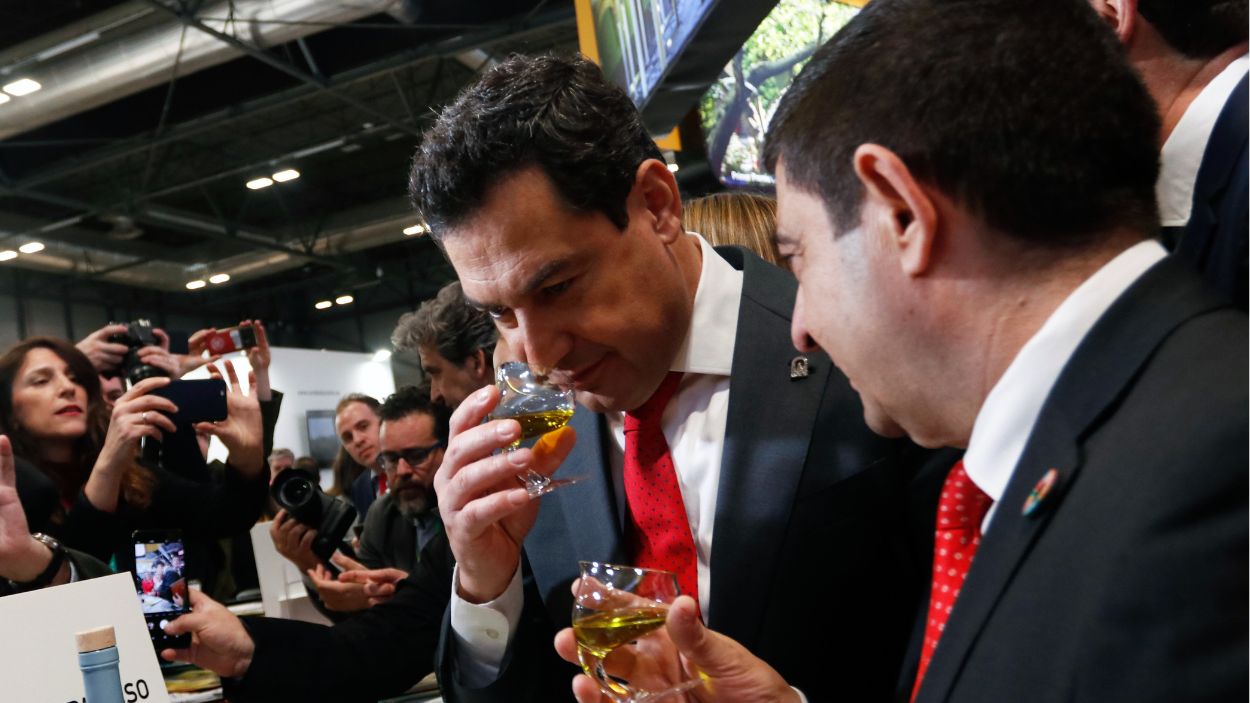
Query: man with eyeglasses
403	526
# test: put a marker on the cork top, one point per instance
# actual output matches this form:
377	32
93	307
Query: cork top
99	638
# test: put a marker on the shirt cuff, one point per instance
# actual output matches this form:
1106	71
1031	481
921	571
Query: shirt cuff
73	570
483	631
802	698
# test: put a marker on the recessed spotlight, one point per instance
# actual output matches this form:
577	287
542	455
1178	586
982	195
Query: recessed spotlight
219	278
323	304
285	175
382	355
31	247
673	167
7	254
416	229
344	299
195	285
22	87
258	183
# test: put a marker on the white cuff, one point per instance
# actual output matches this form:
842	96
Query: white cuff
73	571
483	631
802	698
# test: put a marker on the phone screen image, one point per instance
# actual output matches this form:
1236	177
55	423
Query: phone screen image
161	584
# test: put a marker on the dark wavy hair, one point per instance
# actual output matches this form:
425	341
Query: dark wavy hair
416	399
1024	112
137	483
447	324
557	113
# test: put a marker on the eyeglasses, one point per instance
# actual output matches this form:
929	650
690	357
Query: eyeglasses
389	461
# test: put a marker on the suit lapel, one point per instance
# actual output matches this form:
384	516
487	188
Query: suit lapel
1100	371
767	433
1224	151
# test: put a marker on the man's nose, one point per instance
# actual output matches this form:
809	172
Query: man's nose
799	335
544	342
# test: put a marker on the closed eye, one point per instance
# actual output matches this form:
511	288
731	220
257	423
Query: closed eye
557	288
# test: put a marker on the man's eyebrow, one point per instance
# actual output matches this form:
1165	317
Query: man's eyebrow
785	240
535	282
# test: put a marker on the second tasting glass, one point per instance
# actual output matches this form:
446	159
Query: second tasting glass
625	606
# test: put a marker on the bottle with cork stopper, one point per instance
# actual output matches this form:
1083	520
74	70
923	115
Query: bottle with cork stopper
98	661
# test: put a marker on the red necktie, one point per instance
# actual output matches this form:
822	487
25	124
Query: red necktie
381	485
961	509
658	532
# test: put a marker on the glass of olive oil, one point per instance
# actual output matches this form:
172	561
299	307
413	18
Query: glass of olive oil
539	407
624	607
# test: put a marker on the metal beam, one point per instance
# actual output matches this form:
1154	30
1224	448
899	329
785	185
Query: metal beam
222	118
284	67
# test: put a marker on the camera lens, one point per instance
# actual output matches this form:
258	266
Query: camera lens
296	491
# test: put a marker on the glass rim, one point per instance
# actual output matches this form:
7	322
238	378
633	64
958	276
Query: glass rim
640	570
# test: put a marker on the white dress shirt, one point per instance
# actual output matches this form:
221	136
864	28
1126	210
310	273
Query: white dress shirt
694	425
1182	153
1006	419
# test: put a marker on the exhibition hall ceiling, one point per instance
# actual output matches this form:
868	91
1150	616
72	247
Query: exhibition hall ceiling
171	141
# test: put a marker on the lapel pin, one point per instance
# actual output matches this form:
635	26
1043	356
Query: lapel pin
799	367
1040	491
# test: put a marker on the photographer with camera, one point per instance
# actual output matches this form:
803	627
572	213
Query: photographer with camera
53	411
403	527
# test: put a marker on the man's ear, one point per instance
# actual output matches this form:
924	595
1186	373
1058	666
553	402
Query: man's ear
657	191
892	193
481	367
1120	15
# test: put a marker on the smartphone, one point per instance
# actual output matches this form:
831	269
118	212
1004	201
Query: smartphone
161	584
200	400
232	339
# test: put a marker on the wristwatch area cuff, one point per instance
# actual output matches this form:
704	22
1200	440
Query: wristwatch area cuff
45	578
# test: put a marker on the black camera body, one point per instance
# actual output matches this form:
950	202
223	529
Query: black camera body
138	335
303	499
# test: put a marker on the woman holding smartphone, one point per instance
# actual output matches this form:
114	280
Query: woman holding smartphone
52	409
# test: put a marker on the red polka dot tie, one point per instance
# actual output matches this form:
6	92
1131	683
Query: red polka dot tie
658	533
961	509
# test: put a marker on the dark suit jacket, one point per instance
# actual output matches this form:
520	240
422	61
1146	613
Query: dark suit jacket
364	492
1129	582
1214	240
807	569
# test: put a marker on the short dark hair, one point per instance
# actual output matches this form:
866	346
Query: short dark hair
1198	29
408	400
447	324
367	400
1025	112
557	113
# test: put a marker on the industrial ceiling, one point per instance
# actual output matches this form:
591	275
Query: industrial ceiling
172	142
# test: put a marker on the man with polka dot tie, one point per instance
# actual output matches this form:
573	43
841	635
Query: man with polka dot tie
966	194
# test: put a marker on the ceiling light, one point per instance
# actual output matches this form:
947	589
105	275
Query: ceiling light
31	247
7	254
416	229
258	183
673	167
21	87
285	175
322	305
195	285
219	278
382	355
4	98
344	299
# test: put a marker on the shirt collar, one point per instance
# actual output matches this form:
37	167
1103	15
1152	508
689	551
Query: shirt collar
1006	419
709	344
1182	153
